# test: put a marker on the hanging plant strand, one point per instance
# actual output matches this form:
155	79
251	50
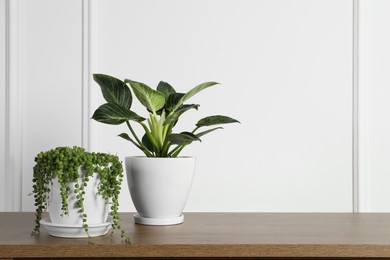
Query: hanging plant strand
64	163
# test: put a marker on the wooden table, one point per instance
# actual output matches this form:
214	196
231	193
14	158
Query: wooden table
298	235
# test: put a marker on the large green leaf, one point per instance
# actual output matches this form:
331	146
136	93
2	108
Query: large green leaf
173	100
175	116
114	90
192	92
216	120
184	137
114	114
207	131
166	89
153	100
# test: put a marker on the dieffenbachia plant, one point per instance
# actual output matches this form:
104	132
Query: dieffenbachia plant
165	106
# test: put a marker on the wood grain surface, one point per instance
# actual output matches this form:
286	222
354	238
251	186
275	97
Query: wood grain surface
299	235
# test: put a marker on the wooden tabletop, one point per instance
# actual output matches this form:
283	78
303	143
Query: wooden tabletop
214	235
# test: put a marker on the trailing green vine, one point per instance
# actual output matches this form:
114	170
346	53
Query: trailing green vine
64	163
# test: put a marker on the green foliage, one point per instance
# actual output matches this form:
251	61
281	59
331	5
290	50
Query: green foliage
114	114
64	163
151	99
215	120
114	90
165	107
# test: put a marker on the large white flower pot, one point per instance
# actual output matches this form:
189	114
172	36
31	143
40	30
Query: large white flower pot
159	188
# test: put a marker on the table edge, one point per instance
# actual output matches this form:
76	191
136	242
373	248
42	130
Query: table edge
196	250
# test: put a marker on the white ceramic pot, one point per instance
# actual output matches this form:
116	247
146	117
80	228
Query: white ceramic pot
159	188
94	205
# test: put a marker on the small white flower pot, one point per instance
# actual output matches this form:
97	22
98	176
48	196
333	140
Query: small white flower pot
159	188
94	205
71	225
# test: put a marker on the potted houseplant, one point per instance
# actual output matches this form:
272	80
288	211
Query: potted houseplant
159	182
77	188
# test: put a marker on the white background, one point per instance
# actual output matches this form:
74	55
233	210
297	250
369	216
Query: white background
285	69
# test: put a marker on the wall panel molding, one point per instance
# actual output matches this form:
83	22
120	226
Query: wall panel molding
3	40
93	67
374	106
355	126
14	105
86	73
361	109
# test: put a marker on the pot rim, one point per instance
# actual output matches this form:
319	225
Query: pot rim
160	158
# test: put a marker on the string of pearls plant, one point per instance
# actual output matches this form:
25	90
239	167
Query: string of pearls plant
64	163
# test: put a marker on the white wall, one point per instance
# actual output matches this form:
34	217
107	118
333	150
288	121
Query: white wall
44	88
52	80
286	74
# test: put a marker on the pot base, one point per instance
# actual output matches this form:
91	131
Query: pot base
75	231
158	221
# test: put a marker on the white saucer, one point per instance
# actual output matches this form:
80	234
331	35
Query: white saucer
75	231
158	221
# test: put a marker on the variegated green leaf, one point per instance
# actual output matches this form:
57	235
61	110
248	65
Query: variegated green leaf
153	100
216	120
175	116
184	137
127	137
166	89
173	100
114	90
207	131
192	92
114	114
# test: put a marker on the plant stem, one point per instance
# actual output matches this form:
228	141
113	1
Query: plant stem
159	130
153	124
196	128
177	150
141	146
167	129
165	148
133	133
176	153
135	143
150	136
